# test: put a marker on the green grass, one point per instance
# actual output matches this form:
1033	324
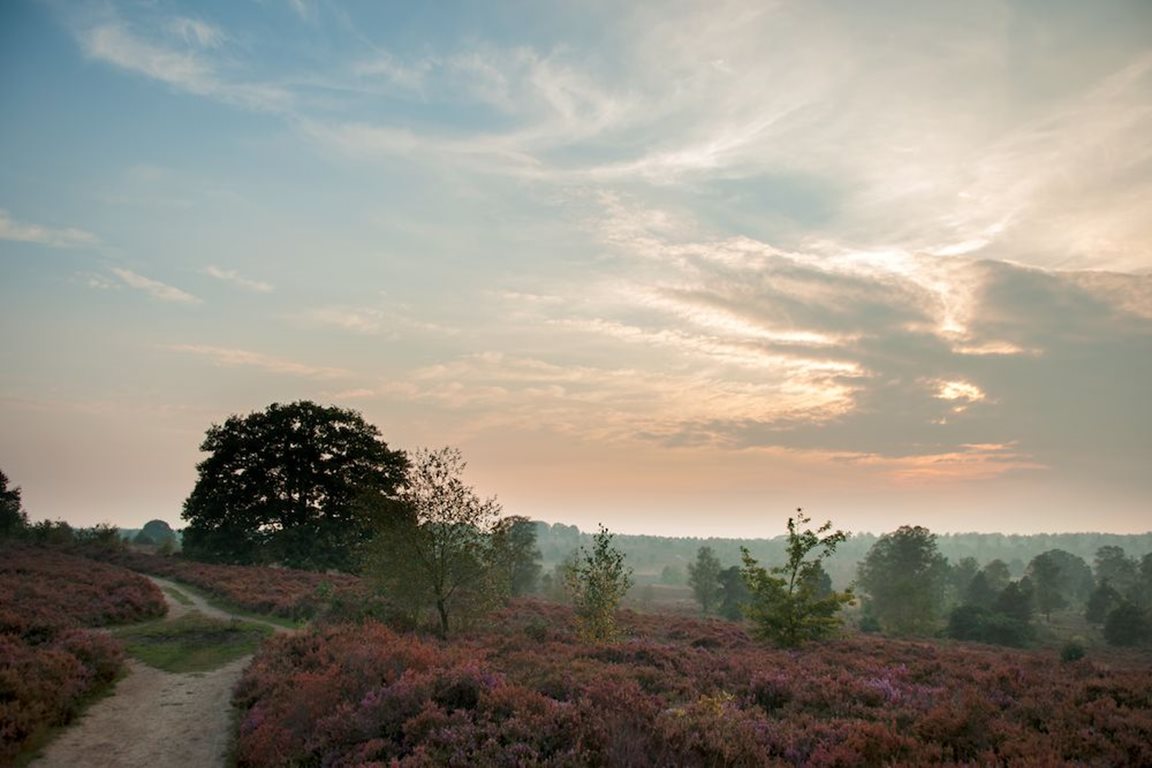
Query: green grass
192	642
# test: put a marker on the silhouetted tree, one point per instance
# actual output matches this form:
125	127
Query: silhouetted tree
704	578
280	485
13	519
1015	601
159	532
979	592
904	577
793	603
435	543
597	581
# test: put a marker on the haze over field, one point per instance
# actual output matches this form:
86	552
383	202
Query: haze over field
679	268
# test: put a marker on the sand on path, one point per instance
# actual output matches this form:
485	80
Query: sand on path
156	719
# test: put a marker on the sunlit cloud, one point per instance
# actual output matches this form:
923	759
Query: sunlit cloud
229	357
23	232
154	288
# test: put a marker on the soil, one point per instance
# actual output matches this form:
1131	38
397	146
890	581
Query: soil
156	719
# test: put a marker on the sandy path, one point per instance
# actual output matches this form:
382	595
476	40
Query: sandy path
156	719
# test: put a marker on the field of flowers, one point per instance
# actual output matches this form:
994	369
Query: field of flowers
48	664
283	592
679	692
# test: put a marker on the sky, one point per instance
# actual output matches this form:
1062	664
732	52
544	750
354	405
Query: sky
675	267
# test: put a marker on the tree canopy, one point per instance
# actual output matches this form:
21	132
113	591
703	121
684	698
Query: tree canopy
794	603
903	576
439	545
704	578
280	486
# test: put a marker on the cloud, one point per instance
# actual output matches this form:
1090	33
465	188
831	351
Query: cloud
186	70
154	288
232	276
34	233
196	32
371	321
229	357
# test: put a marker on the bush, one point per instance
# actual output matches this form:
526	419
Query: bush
1072	651
971	622
1126	625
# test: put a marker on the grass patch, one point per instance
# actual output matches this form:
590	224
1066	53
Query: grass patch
193	642
179	596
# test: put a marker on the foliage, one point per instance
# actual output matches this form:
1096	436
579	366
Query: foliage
1103	600
49	665
972	622
1112	564
159	532
597	582
682	692
1045	572
440	546
1015	601
279	485
193	642
1127	625
734	595
704	578
13	518
791	604
515	555
903	576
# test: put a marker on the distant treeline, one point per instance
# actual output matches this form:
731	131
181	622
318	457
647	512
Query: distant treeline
668	556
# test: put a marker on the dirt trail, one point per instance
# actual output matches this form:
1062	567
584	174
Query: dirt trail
156	719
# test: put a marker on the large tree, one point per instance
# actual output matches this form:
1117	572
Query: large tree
281	485
440	546
904	578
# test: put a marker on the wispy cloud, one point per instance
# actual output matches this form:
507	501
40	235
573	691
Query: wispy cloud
196	32
154	288
229	357
35	233
186	70
235	278
371	321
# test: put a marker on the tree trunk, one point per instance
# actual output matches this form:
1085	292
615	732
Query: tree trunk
443	611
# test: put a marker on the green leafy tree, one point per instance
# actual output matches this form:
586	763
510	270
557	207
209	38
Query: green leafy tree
13	519
159	532
281	485
980	593
704	578
1113	564
792	603
515	555
597	581
437	545
1103	600
1126	625
1045	573
1016	601
734	595
904	578
998	574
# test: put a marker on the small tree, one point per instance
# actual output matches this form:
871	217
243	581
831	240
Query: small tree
791	604
1046	573
734	594
704	578
597	582
434	544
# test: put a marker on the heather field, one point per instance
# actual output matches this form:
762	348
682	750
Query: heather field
49	664
680	692
284	592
